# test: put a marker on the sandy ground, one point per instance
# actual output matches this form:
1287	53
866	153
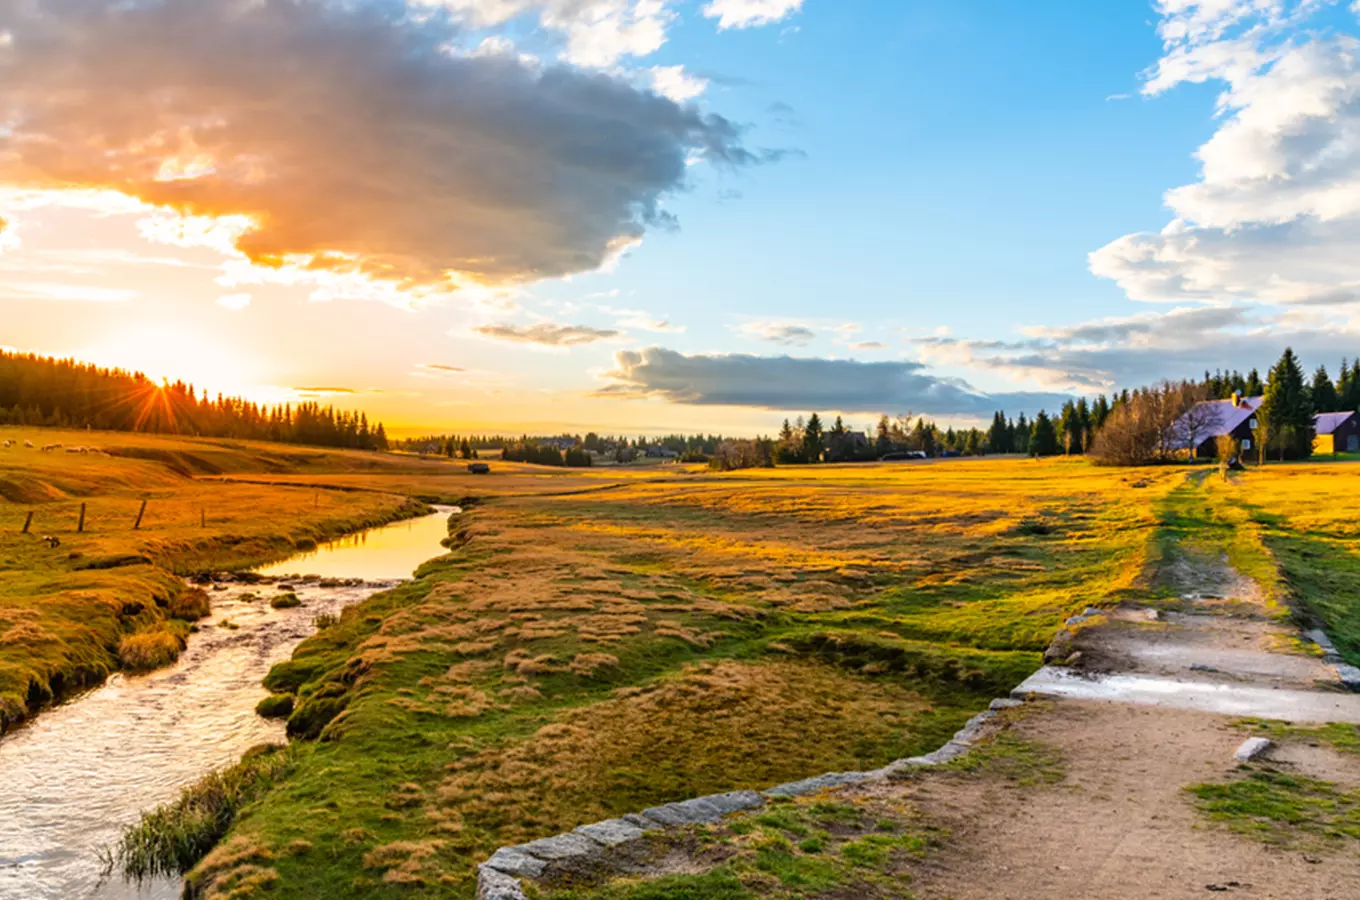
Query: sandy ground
1120	825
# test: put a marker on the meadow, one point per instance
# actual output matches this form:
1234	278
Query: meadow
92	601
586	652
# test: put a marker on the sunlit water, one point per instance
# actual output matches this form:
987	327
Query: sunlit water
75	776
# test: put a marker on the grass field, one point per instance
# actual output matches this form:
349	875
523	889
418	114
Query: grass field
109	597
598	641
586	653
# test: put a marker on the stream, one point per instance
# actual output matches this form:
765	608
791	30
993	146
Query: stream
74	776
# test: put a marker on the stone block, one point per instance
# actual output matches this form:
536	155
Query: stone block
493	884
1252	748
611	832
560	846
513	861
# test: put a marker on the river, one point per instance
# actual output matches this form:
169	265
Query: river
74	776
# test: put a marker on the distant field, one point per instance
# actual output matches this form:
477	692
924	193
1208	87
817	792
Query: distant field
586	654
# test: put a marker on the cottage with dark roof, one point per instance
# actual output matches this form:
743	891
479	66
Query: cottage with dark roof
1199	429
1336	432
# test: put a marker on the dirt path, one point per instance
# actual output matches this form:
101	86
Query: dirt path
1119	824
1146	708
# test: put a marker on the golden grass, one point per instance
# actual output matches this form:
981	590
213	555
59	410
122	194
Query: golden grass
663	635
72	613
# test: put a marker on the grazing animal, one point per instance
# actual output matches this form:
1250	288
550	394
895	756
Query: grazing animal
48	448
28	445
51	541
9	444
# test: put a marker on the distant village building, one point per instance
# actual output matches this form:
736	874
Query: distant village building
1336	432
660	452
857	440
560	443
1199	429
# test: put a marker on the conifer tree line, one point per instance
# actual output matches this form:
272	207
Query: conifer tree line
44	391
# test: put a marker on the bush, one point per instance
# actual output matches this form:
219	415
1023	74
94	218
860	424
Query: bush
149	649
190	604
275	706
285	601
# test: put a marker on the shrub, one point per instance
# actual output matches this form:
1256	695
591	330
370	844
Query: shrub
275	706
285	601
189	604
149	649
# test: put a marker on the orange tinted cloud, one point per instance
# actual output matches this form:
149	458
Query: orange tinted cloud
348	133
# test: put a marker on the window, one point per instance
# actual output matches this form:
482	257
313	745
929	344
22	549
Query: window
1252	424
1246	445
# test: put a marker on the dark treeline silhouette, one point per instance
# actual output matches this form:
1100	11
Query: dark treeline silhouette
43	391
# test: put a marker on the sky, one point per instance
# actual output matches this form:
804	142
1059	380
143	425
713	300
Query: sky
646	216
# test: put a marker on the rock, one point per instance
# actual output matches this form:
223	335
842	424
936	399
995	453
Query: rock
1061	648
688	812
1005	703
819	783
611	832
561	846
1252	748
971	729
735	801
512	861
493	884
1073	660
1349	675
641	821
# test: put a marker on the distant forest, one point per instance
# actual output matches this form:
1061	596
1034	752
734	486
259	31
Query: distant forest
39	390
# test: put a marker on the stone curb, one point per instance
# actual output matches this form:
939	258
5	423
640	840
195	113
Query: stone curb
1348	674
501	876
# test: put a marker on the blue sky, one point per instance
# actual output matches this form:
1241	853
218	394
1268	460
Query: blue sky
904	207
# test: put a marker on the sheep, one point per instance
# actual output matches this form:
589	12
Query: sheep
9	444
49	448
28	445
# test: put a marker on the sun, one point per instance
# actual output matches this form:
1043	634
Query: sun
173	352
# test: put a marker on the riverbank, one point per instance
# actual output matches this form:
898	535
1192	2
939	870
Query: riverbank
85	770
94	585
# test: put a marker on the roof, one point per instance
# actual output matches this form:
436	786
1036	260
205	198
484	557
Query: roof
1327	423
1220	417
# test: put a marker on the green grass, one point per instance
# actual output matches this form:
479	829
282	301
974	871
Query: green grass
171	839
1281	809
1337	735
1025	763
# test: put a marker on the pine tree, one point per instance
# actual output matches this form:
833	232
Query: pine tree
1253	387
1287	407
997	437
812	439
1043	439
1323	391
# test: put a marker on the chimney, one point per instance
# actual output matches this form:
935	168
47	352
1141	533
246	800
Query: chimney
1237	398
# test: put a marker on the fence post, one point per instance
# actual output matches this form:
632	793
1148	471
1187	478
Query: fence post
138	524
27	522
202	517
80	527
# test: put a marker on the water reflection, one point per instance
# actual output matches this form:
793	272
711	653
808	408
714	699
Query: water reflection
75	776
393	551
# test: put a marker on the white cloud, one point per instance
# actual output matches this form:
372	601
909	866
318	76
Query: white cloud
676	84
598	33
1274	217
546	334
234	302
750	13
777	331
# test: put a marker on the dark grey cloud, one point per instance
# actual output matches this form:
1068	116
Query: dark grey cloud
348	131
547	333
441	368
792	383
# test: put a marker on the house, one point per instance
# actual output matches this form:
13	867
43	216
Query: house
1199	429
1337	432
560	443
660	452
